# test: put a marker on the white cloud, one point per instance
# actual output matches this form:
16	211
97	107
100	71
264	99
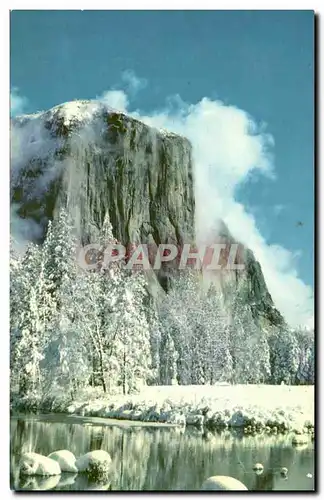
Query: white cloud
229	147
18	103
278	209
116	99
133	82
291	295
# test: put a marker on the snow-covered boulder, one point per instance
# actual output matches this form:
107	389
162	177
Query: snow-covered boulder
65	459
258	468
283	471
223	483
95	464
34	464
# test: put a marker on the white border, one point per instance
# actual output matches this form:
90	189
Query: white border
316	5
166	5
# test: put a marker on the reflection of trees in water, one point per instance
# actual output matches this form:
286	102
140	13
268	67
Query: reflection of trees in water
96	440
265	481
168	458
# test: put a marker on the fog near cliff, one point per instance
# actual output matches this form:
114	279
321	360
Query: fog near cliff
228	148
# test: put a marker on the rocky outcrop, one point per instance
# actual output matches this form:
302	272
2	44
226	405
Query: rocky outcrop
103	160
97	160
258	296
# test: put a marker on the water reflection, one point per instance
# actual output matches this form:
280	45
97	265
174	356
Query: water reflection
146	458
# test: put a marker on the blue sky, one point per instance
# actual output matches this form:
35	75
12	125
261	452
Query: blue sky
260	62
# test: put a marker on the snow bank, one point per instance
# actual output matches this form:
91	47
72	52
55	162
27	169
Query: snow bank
254	407
33	464
65	459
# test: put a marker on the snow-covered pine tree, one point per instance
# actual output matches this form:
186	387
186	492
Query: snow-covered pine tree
67	364
305	341
311	363
218	359
242	354
29	320
168	360
101	320
66	352
176	314
249	343
284	355
16	285
155	329
131	352
104	294
59	252
262	368
195	318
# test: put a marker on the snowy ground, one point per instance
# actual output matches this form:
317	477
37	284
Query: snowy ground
250	406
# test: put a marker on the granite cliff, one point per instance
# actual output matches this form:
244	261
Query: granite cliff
97	160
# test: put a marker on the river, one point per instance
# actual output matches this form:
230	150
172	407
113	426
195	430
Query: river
158	458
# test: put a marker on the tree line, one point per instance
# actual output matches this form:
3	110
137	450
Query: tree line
72	328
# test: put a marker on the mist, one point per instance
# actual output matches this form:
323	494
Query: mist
229	147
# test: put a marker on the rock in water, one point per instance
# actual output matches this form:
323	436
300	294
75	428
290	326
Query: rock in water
283	471
65	459
258	468
33	464
95	464
223	483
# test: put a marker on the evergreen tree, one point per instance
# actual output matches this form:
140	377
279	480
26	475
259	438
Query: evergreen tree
67	356
218	359
101	312
284	356
311	364
155	329
305	341
168	360
131	352
249	344
59	253
30	309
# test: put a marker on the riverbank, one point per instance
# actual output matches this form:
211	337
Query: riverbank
252	407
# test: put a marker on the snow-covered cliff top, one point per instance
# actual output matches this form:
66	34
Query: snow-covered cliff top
78	111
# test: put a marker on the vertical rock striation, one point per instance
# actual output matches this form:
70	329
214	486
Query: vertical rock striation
96	160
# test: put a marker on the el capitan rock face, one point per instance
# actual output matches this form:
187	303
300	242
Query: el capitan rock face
98	160
104	160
